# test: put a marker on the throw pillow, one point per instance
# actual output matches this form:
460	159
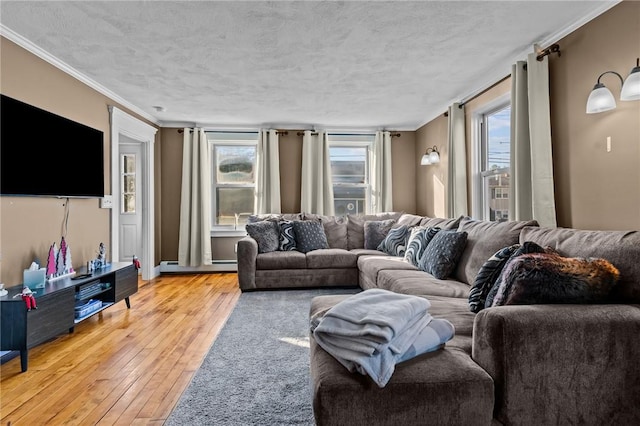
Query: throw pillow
287	240
395	243
418	242
442	253
266	233
487	277
550	278
309	235
526	248
375	231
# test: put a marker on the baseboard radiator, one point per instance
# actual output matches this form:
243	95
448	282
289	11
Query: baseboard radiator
215	266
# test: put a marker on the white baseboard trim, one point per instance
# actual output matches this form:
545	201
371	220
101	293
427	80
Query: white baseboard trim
216	266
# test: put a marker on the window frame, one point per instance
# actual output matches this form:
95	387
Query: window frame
225	139
480	194
355	141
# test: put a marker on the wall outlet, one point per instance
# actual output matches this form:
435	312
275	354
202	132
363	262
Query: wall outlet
106	202
235	248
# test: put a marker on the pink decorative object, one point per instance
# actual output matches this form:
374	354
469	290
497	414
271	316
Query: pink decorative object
51	261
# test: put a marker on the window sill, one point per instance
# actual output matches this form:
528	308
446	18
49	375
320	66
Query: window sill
228	233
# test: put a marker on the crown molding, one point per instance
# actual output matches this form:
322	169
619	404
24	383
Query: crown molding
31	47
497	74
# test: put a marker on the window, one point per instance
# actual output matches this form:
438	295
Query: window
128	183
350	165
233	178
493	174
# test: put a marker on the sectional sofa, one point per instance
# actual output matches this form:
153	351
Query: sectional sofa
521	364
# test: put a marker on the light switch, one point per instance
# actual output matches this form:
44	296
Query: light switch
608	143
106	202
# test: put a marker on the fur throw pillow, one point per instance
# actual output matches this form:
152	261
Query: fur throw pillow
550	278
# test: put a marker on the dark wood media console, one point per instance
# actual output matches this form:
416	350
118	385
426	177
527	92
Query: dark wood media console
61	305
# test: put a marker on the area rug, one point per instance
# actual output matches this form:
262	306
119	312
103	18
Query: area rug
257	370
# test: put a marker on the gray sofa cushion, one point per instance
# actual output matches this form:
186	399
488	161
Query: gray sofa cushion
420	283
622	248
266	233
442	223
409	220
355	227
331	258
483	240
370	266
281	260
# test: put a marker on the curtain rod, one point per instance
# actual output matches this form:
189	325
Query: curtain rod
393	135
279	132
554	48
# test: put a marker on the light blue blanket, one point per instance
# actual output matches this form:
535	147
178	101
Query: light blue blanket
374	330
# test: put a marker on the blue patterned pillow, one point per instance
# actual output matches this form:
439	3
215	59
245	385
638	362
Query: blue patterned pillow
309	235
418	241
395	243
287	236
487	276
442	253
266	233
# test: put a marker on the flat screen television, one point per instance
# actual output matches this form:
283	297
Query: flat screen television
43	154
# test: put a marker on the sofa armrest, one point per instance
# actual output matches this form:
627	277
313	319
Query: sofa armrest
561	364
247	254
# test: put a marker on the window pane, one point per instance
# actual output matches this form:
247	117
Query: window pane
232	203
349	200
497	188
129	205
129	184
235	164
129	163
498	139
348	165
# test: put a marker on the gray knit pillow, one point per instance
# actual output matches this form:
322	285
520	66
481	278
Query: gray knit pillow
375	231
309	235
266	233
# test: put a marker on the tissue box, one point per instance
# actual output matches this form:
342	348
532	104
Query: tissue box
34	279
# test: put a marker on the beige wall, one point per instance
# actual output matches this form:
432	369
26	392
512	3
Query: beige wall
431	180
290	171
29	225
594	189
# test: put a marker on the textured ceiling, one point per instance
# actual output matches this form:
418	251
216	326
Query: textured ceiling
335	65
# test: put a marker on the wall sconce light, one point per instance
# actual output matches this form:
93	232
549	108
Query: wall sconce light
431	156
601	99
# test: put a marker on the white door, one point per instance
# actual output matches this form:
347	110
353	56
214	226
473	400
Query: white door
130	201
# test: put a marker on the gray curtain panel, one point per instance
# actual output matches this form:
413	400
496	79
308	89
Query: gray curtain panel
381	181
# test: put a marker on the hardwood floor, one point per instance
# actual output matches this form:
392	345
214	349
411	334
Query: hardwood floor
122	366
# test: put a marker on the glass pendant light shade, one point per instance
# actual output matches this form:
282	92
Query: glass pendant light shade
600	99
434	158
425	160
631	86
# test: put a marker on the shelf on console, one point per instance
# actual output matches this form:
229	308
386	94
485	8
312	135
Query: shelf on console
105	305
